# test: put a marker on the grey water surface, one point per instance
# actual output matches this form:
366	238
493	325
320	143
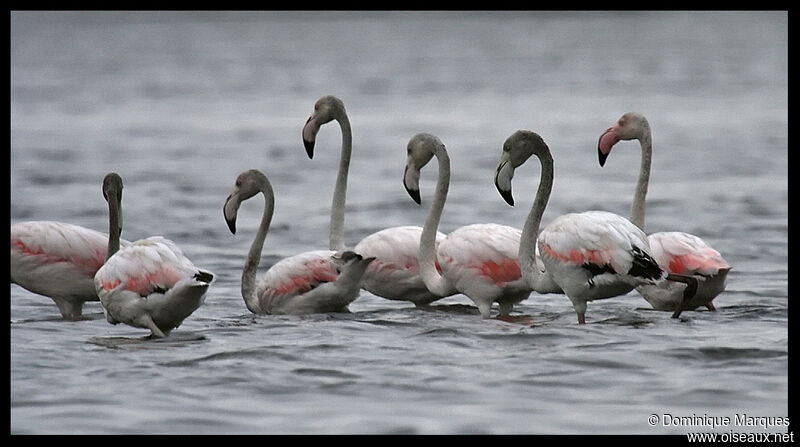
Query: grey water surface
179	103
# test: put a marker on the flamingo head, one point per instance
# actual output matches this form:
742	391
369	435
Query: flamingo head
516	151
326	109
630	126
112	192
248	184
421	149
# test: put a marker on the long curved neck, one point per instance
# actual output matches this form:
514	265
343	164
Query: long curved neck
530	231
114	215
249	292
427	241
638	205
340	190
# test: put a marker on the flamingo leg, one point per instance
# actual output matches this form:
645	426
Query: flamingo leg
688	293
152	325
70	310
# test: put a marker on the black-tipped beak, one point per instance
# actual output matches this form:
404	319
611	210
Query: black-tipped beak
309	136
505	193
601	157
309	148
606	141
231	225
507	196
414	193
232	221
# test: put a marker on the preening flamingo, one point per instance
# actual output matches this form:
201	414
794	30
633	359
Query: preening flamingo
149	283
58	260
394	274
312	282
479	260
590	255
676	252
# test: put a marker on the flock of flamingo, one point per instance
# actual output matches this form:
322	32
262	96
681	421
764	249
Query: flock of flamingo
586	256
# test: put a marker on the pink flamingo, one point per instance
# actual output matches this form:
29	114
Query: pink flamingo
676	252
149	283
590	255
58	260
394	274
317	281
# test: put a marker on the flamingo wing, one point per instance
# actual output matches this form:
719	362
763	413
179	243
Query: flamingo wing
298	274
600	242
152	265
394	274
151	284
485	251
49	243
396	252
686	254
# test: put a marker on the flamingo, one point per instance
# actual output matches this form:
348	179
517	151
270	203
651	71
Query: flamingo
394	274
148	283
478	260
318	281
58	260
676	252
590	255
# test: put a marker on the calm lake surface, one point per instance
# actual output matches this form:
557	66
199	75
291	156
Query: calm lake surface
180	103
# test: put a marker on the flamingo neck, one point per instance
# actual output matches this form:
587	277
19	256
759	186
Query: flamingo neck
638	205
113	227
249	292
340	190
530	231
427	241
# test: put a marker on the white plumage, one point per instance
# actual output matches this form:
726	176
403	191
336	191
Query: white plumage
394	274
685	254
148	283
595	255
57	260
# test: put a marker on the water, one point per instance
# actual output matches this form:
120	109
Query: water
180	103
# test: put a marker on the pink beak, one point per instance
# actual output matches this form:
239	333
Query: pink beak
607	140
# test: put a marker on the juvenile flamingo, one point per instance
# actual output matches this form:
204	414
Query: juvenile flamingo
479	260
590	255
675	251
394	274
149	283
317	281
58	260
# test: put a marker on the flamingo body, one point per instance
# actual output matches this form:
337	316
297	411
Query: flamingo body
151	284
595	255
394	274
57	260
311	282
685	254
481	261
